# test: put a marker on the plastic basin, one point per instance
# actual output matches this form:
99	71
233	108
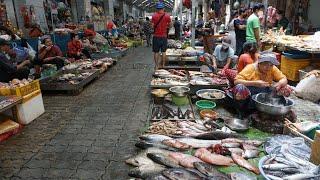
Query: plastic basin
205	104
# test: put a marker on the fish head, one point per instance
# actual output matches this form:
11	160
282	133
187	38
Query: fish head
155	156
174	174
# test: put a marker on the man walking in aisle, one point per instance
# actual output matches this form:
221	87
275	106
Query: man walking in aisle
253	25
161	22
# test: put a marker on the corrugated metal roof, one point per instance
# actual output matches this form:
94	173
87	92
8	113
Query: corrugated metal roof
147	4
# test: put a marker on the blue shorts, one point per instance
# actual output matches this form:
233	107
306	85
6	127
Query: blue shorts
159	44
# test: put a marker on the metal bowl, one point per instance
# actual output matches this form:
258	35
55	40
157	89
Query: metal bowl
179	91
236	124
209	94
263	105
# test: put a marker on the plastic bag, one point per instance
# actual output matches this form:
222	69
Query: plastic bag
21	53
308	88
31	52
293	145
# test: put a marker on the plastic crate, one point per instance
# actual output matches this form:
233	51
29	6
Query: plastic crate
294	54
290	67
21	91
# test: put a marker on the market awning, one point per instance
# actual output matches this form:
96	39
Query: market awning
150	4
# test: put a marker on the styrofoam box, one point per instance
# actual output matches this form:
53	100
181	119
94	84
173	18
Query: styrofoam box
30	110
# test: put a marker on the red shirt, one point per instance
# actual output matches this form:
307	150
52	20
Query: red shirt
162	28
110	26
74	47
244	60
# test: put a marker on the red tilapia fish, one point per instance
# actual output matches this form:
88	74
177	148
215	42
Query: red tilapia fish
215	159
184	160
244	163
176	144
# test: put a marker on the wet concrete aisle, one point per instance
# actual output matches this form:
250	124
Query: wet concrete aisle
86	136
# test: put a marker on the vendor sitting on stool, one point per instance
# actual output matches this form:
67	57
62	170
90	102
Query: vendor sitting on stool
75	48
259	77
224	55
48	54
8	69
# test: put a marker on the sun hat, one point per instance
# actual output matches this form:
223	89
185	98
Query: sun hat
268	57
159	5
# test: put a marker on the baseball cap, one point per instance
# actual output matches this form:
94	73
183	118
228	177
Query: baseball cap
269	57
159	5
4	42
226	41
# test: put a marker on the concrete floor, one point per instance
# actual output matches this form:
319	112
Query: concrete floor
86	136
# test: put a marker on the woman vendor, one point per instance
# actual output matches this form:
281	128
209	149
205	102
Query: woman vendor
8	69
48	54
88	42
259	77
75	48
208	33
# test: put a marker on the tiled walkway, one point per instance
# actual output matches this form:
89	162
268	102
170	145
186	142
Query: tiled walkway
86	136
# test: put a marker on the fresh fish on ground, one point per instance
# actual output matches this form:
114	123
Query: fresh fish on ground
199	126
199	143
217	135
230	145
250	153
157	177
209	170
301	176
246	146
180	174
154	113
244	163
232	140
142	159
285	161
184	160
154	137
146	171
254	142
275	173
163	160
176	144
145	145
276	166
211	158
272	177
241	176
236	151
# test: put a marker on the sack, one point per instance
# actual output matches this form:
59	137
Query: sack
308	88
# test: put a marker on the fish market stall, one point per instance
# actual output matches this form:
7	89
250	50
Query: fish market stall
200	80
167	78
70	81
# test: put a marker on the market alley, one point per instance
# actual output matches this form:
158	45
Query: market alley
86	136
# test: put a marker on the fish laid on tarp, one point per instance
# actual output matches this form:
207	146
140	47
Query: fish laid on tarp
254	142
184	160
146	171
246	146
250	153
163	160
145	145
232	140
214	159
142	159
176	144
236	151
230	145
157	177
300	176
180	174
199	143
217	135
154	137
241	176
209	170
244	163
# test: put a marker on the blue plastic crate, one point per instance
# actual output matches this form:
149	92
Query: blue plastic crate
294	54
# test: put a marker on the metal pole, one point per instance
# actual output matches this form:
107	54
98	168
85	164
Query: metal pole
181	20
52	23
265	2
193	23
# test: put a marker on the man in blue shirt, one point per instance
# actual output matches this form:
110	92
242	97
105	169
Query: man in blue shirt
8	69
